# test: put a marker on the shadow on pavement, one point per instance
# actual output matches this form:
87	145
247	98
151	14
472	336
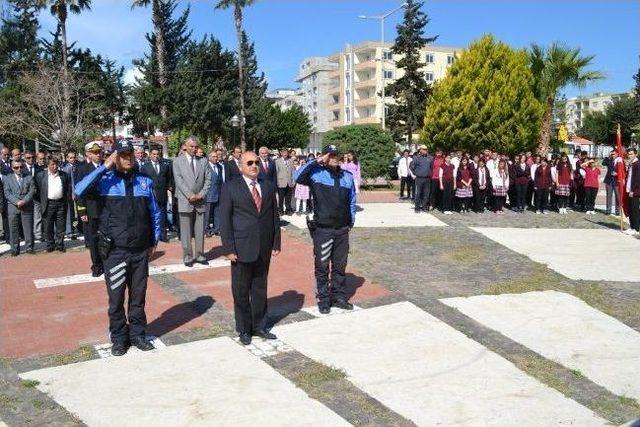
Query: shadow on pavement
179	315
283	305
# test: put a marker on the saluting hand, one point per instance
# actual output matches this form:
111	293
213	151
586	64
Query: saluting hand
111	160
232	257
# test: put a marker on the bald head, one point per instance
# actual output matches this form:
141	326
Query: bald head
249	164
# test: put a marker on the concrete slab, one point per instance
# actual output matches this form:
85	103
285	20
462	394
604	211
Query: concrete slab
430	373
315	311
565	329
104	350
51	282
576	254
383	215
203	383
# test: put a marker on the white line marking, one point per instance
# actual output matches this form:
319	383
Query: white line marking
153	270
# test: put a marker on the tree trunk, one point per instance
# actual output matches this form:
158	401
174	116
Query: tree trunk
160	56
64	139
238	21
545	131
113	127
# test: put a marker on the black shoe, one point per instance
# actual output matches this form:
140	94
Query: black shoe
264	334
188	263
340	303
417	210
62	249
97	272
50	249
202	261
119	349
142	344
324	308
245	338
15	253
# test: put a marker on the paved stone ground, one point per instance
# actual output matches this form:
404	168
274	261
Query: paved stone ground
420	265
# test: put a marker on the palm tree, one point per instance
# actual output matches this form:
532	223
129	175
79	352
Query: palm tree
554	68
237	15
160	47
60	10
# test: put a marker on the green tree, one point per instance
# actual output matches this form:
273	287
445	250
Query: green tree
636	89
554	68
485	101
238	5
283	129
255	88
596	127
601	127
411	90
373	146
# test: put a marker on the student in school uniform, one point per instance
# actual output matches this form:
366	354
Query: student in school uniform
500	185
436	194
533	163
481	183
447	185
464	190
542	183
513	196
591	184
562	180
522	173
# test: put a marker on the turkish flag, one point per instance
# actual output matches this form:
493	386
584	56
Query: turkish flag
622	173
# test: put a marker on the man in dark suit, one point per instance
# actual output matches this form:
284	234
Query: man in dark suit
632	187
32	169
250	237
212	210
233	165
267	166
89	205
5	161
53	188
19	190
161	174
223	165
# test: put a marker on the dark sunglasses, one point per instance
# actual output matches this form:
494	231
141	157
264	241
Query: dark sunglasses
252	162
15	167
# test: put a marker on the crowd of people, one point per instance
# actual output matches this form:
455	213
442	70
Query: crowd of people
462	182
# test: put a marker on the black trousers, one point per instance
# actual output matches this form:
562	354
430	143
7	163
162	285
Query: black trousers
436	193
521	196
580	196
5	224
480	197
126	269
55	217
249	288
91	241
284	199
590	198
562	201
542	196
330	251
499	202
408	182
422	192
447	196
634	213
163	220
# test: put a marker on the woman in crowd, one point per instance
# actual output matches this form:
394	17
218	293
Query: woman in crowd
500	184
447	185
350	163
522	174
562	182
481	183
542	183
464	191
591	184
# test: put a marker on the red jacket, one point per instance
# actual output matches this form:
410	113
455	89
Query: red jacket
542	178
435	168
591	177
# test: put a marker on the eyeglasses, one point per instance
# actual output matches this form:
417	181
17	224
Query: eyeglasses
28	157
15	168
252	162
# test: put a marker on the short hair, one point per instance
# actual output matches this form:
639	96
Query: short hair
71	152
632	149
193	139
52	159
263	148
16	161
237	147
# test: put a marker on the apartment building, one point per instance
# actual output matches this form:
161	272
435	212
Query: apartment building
577	108
285	98
361	71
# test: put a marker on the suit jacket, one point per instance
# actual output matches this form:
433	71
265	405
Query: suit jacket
284	173
42	183
270	173
225	171
89	203
475	173
245	231
232	170
213	196
635	178
14	192
186	184
162	181
3	200
5	168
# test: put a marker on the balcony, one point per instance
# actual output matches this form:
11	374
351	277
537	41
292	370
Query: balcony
366	65
365	84
372	101
372	120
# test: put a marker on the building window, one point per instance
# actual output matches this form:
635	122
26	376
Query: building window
388	55
347	62
429	58
428	77
348	97
347	115
450	59
388	74
347	79
315	106
315	90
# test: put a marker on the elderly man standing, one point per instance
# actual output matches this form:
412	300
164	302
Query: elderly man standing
284	178
19	190
53	185
267	166
421	168
192	177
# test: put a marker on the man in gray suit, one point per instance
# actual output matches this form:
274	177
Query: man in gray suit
19	190
192	178
284	179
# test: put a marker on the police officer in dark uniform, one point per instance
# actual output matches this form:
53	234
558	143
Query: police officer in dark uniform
334	213
129	230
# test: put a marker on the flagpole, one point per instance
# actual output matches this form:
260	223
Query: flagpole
619	148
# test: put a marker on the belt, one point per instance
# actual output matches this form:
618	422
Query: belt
55	200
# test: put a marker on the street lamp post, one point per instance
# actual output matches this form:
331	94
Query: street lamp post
235	122
382	18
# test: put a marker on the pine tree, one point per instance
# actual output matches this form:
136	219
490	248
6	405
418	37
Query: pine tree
255	87
19	46
411	90
485	101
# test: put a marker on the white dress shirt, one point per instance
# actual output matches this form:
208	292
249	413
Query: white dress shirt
628	187
248	181
54	186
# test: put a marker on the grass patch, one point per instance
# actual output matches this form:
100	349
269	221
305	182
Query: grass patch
8	402
618	410
316	375
38	404
532	282
82	354
29	383
544	371
467	254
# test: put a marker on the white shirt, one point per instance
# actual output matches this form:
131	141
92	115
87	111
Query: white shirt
156	166
630	175
500	180
54	186
533	168
403	167
482	179
248	181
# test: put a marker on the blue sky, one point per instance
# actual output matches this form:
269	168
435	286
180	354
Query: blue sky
286	31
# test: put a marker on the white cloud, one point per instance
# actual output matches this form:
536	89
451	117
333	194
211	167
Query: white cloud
131	75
